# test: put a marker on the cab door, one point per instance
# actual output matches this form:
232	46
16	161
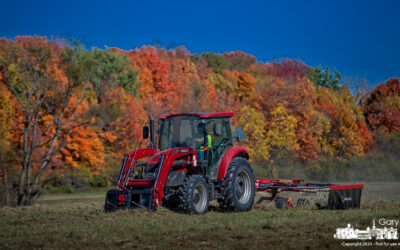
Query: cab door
221	139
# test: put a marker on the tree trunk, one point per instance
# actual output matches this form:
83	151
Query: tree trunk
7	200
25	163
35	189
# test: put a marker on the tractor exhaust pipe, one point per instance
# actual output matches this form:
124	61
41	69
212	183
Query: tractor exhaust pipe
151	130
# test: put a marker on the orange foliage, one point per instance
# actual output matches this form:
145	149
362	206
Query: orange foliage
323	122
84	148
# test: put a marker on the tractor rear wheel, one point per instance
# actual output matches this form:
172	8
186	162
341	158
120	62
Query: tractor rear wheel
194	195
238	186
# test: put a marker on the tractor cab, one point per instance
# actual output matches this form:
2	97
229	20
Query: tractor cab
209	134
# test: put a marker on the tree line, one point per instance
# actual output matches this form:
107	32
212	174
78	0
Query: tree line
68	111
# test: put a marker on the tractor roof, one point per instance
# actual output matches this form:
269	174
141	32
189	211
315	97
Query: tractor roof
202	115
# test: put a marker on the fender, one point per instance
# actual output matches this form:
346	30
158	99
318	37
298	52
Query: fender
231	153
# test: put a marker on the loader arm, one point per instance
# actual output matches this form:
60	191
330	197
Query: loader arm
169	161
129	163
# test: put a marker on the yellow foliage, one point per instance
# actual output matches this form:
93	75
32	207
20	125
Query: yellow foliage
323	128
343	138
220	82
253	123
281	136
393	101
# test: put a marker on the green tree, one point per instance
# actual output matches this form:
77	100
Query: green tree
215	61
324	77
103	67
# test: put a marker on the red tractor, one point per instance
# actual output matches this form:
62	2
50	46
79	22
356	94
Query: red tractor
194	162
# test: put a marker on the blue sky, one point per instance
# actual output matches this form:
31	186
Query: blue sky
358	38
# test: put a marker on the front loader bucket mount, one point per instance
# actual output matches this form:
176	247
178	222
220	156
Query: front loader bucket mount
130	199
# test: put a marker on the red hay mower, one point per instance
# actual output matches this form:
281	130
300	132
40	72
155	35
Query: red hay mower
196	161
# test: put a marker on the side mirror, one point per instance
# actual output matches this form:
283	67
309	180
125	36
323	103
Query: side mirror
145	132
238	134
217	129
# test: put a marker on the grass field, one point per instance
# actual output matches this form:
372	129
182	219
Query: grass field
78	221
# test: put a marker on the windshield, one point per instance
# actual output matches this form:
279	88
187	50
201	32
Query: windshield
182	131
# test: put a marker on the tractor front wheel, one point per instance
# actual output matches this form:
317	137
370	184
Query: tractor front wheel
238	186
195	195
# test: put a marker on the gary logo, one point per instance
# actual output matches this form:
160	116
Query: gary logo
378	233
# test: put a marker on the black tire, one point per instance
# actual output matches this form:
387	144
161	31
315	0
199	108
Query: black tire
174	201
194	195
281	203
238	186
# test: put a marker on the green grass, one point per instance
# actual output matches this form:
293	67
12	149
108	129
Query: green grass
78	221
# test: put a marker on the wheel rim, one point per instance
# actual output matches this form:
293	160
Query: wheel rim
200	198
243	187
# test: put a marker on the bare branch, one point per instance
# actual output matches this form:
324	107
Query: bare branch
37	108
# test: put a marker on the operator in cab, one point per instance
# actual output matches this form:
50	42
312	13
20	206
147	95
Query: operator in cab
199	140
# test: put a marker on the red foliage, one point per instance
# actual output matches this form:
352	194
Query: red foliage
379	112
289	69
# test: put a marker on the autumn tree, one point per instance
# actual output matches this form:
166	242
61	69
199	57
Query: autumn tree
288	69
157	91
341	137
253	123
382	107
44	78
238	60
281	136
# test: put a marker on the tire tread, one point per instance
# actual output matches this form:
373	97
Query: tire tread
228	202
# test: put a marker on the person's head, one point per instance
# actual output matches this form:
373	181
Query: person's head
201	128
